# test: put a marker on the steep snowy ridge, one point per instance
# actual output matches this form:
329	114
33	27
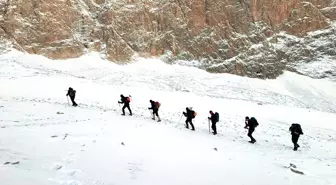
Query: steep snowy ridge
319	46
312	55
43	140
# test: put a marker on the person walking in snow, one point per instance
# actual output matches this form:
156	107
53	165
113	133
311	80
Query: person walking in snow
126	101
72	94
296	131
155	107
190	114
214	119
251	124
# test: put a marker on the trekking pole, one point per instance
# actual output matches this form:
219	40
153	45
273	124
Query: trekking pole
180	119
68	100
209	125
150	112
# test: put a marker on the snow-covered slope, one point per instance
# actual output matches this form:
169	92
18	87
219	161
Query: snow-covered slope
92	144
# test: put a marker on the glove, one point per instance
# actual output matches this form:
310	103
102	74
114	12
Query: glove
209	118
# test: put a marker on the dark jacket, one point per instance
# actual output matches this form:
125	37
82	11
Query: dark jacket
213	118
124	100
71	92
296	129
189	114
153	105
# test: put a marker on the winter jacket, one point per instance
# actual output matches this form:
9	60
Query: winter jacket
71	92
213	118
296	129
189	114
153	105
124	100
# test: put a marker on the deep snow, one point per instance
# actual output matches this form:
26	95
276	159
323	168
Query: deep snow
82	145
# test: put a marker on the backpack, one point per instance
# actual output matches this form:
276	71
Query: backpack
217	116
72	92
158	104
194	114
254	121
295	127
128	99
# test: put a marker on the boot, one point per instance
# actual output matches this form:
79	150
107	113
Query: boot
296	146
253	141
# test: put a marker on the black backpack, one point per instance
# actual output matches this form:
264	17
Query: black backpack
72	92
217	116
254	121
296	128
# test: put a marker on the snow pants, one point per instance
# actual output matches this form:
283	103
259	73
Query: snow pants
156	113
72	98
189	120
295	139
214	128
250	131
128	107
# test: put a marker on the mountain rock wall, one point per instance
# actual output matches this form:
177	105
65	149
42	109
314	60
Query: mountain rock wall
231	36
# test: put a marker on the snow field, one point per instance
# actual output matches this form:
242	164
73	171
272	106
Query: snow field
83	145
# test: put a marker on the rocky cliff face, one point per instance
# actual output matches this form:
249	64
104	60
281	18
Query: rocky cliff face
241	37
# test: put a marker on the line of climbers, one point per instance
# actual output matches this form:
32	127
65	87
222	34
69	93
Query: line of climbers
250	123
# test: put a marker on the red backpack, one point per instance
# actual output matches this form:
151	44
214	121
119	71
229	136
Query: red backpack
128	99
157	104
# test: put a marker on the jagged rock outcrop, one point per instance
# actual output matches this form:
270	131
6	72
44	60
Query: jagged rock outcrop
232	36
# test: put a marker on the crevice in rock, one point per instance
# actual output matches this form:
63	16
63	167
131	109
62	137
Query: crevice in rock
122	39
15	42
180	6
